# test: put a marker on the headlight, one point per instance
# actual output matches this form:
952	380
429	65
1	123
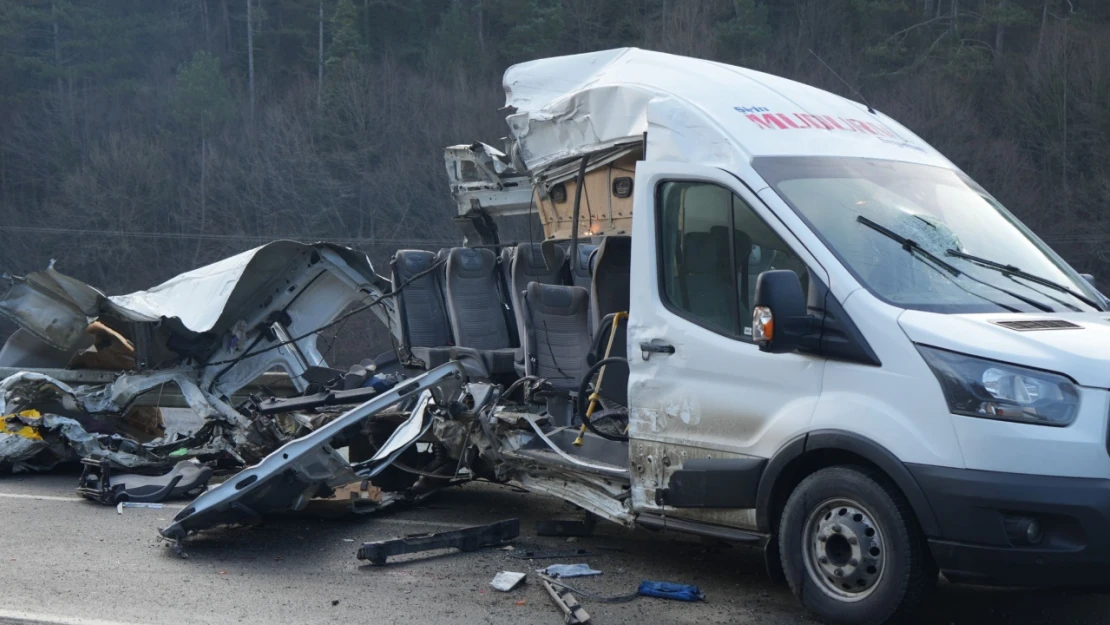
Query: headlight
984	388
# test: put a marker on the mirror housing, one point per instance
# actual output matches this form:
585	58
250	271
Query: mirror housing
780	317
1089	278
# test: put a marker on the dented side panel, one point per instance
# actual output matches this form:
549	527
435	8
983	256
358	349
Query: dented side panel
714	396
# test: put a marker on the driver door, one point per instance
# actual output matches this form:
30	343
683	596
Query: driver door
699	388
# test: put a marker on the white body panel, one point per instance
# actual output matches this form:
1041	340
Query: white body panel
898	405
714	393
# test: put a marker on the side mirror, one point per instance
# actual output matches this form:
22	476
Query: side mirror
779	317
1089	278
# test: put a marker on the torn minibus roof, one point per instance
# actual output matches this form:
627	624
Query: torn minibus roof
57	308
80	373
692	110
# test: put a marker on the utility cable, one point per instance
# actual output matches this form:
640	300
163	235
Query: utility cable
335	321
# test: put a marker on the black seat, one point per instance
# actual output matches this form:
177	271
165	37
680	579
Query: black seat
614	385
612	272
529	265
477	315
555	337
421	312
580	274
706	276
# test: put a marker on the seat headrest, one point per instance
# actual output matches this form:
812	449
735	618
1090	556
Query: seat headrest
585	250
411	262
741	240
556	298
470	262
615	252
530	261
706	252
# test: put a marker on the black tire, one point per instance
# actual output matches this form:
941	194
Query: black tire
887	570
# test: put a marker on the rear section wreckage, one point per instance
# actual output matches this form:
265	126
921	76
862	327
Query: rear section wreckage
86	374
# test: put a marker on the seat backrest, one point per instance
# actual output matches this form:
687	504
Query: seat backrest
612	269
421	311
556	339
529	266
614	386
474	301
580	274
745	284
706	277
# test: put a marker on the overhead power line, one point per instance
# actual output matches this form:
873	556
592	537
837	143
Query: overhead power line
194	236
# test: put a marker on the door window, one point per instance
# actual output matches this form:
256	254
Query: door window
712	249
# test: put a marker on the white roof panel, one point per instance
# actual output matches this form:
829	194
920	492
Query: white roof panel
693	110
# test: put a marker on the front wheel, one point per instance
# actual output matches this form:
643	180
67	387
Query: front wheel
851	549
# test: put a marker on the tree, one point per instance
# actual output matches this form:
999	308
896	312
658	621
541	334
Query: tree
345	40
201	105
250	54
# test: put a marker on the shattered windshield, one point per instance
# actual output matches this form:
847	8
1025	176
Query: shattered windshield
907	231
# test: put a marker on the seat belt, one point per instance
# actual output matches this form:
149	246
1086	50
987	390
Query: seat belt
503	286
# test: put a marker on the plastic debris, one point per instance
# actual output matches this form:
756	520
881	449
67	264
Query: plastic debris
568	570
573	612
135	504
507	580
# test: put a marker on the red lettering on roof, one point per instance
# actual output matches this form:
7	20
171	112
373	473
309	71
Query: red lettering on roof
766	120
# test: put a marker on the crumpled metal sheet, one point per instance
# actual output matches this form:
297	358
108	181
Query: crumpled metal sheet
62	440
57	308
52	306
309	466
225	434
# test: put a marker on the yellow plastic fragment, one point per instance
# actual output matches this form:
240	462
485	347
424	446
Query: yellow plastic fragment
26	431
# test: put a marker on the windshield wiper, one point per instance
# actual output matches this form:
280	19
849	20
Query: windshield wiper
913	247
1010	270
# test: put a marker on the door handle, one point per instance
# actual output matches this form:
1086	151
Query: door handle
648	348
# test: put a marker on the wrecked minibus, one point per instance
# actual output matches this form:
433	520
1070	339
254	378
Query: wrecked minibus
759	313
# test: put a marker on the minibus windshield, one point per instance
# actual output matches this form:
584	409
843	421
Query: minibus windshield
926	238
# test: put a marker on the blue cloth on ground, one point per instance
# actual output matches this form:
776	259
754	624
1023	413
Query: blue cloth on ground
667	590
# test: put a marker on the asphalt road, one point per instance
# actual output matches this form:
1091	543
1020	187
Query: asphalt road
68	561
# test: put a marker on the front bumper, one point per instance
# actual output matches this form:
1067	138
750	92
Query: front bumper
973	546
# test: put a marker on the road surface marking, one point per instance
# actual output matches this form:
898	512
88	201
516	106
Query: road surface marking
19	617
416	522
57	498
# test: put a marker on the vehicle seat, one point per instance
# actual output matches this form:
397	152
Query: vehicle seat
421	312
614	386
474	307
529	265
744	284
706	276
612	269
580	275
555	340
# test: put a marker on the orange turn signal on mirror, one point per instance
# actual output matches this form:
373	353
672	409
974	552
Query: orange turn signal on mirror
763	324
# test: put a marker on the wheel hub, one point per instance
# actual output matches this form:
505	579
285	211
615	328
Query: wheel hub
844	549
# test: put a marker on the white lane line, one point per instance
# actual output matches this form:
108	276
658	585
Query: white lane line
42	497
57	498
384	519
22	616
